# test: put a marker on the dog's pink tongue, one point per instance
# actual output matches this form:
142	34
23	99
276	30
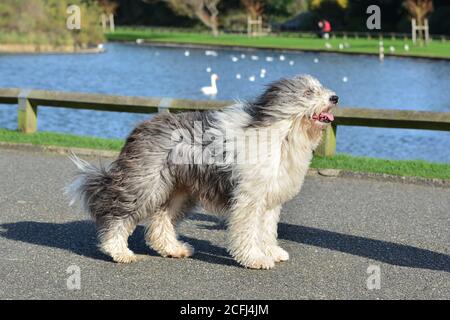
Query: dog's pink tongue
326	116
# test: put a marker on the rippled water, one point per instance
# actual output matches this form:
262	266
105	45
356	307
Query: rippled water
398	83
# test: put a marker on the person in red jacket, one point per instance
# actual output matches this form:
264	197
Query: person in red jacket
325	28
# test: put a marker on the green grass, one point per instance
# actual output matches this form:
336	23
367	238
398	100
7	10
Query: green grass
60	140
408	168
436	49
412	168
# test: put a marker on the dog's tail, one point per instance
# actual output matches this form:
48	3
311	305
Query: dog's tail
88	183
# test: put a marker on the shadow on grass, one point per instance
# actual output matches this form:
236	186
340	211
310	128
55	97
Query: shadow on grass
79	237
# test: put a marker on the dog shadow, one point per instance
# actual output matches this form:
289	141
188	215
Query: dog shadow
79	237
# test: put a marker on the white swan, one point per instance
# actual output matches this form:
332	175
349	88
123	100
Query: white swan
212	90
211	53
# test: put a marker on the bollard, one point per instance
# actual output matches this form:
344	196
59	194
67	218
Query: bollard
27	115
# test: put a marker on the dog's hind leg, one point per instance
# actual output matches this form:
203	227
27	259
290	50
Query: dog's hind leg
113	233
269	243
161	234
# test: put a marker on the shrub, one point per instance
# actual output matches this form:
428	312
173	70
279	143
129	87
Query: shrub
44	22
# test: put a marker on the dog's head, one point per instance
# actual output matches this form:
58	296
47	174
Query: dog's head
299	97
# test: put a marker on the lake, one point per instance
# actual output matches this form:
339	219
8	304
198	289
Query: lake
128	69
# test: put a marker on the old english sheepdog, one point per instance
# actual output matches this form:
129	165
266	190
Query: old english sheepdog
241	162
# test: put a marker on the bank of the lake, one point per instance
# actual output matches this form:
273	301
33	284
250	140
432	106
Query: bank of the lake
49	49
435	50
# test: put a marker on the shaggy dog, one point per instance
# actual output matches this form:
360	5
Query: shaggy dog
242	163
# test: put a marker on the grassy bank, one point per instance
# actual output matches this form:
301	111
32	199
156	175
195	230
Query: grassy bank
436	49
60	140
45	23
411	168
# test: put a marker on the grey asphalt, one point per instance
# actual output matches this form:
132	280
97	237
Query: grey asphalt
334	230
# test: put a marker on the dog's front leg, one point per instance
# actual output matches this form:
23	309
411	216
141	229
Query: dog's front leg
244	238
269	243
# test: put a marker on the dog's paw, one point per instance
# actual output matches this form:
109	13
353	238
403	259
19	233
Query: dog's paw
277	253
127	257
262	262
182	251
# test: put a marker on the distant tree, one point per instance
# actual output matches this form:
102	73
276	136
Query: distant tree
419	9
284	8
254	8
108	6
340	3
205	10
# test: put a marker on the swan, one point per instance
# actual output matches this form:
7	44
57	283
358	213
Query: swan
211	53
263	73
212	90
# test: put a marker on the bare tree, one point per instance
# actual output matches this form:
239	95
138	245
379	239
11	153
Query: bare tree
419	9
254	8
108	6
205	10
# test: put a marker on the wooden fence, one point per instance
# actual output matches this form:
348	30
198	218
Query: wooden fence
29	100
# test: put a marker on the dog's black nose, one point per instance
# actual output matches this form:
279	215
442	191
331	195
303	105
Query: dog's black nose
334	99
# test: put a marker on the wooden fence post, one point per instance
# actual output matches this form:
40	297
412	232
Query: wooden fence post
327	147
27	115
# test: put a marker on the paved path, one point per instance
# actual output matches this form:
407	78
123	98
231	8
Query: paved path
334	230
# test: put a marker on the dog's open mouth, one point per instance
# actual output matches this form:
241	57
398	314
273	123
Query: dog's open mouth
324	117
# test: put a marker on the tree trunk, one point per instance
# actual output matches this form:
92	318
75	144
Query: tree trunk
209	20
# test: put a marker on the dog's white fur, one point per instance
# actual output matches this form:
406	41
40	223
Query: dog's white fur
266	186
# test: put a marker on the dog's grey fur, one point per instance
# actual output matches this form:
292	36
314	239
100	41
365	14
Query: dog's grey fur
143	184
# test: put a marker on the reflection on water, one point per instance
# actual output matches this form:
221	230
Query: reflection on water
398	83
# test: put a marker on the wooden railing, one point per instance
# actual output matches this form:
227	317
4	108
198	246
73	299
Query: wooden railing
29	100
